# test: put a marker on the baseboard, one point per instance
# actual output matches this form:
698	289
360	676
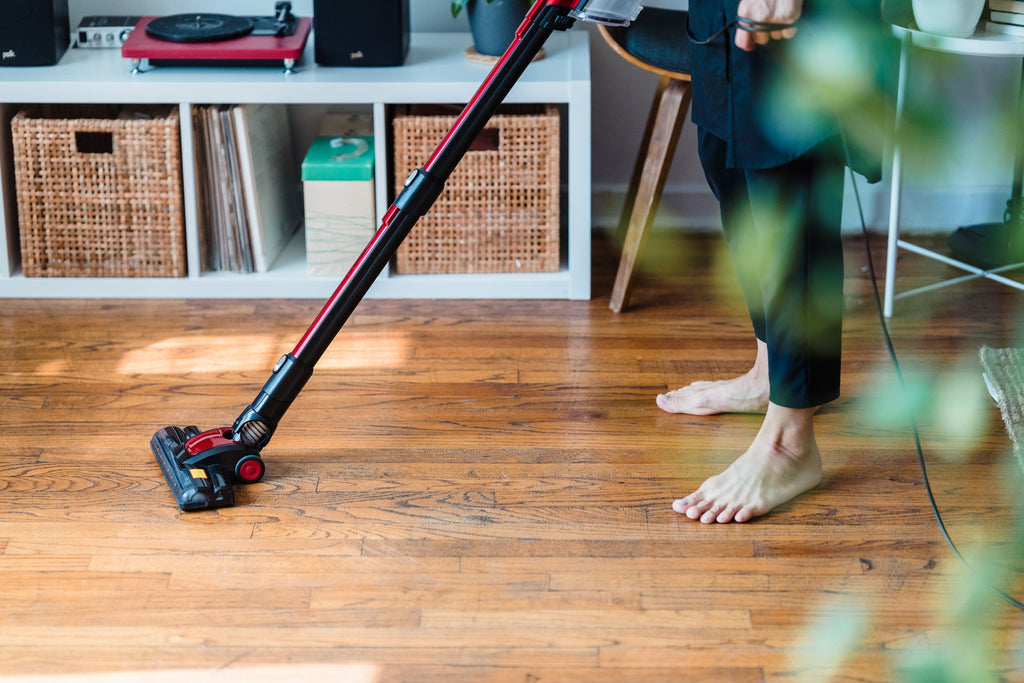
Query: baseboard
688	207
924	209
941	210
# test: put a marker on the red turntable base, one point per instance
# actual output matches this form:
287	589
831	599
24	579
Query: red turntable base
247	50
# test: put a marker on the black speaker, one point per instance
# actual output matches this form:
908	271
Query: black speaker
33	32
360	32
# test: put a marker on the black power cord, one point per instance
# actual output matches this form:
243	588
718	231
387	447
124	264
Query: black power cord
910	412
739	23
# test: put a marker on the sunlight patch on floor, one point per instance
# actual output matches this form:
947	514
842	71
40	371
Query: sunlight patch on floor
203	353
225	353
366	351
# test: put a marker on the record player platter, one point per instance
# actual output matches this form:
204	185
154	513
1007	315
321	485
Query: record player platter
219	40
199	28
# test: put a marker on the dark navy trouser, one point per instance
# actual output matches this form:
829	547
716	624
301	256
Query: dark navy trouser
782	226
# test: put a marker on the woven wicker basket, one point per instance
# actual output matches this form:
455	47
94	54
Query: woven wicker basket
99	191
499	212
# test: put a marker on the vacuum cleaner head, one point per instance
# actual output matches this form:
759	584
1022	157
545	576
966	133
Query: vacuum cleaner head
200	466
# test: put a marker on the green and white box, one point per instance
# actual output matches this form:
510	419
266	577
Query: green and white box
337	176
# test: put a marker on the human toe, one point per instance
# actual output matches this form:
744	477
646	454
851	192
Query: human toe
743	515
685	505
712	513
729	514
697	511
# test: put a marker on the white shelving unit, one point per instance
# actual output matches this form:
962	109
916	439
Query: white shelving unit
435	71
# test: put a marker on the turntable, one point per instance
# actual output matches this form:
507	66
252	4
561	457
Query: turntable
219	40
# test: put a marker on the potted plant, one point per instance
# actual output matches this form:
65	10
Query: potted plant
493	23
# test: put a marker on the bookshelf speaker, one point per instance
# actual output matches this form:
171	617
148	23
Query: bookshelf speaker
33	32
360	33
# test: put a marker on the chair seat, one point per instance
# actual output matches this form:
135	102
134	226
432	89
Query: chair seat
658	38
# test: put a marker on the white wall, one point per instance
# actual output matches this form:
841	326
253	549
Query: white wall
969	184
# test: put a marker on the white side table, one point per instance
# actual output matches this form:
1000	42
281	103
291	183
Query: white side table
981	43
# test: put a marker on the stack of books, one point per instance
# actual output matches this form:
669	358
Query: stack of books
1006	16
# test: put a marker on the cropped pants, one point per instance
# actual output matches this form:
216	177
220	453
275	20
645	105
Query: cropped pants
782	226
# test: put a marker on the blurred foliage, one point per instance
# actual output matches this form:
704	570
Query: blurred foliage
955	398
968	616
846	68
832	636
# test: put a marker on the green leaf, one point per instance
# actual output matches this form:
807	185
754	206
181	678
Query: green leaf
457	6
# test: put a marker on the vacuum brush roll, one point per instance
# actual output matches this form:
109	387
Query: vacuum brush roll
194	487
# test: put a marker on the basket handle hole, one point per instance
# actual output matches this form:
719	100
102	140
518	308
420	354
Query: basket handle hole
94	143
489	140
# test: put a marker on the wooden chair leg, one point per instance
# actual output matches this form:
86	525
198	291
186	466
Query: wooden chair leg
638	163
671	104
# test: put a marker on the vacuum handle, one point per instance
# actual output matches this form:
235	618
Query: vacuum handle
425	184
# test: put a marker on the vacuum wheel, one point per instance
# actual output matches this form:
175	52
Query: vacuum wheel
249	469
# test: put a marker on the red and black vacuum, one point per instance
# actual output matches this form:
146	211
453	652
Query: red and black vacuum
201	467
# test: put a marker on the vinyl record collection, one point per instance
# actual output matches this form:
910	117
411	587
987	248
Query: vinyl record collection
249	187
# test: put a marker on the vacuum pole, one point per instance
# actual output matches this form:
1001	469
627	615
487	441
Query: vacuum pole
425	185
256	424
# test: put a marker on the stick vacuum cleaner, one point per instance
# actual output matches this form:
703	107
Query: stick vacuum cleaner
201	467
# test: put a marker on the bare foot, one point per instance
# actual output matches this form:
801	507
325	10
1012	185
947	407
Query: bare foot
737	395
782	463
747	393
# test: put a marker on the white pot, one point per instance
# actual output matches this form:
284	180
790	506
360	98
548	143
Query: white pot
955	18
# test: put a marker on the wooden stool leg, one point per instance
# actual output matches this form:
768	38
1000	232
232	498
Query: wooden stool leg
671	104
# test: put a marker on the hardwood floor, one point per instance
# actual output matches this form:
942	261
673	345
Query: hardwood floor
480	491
